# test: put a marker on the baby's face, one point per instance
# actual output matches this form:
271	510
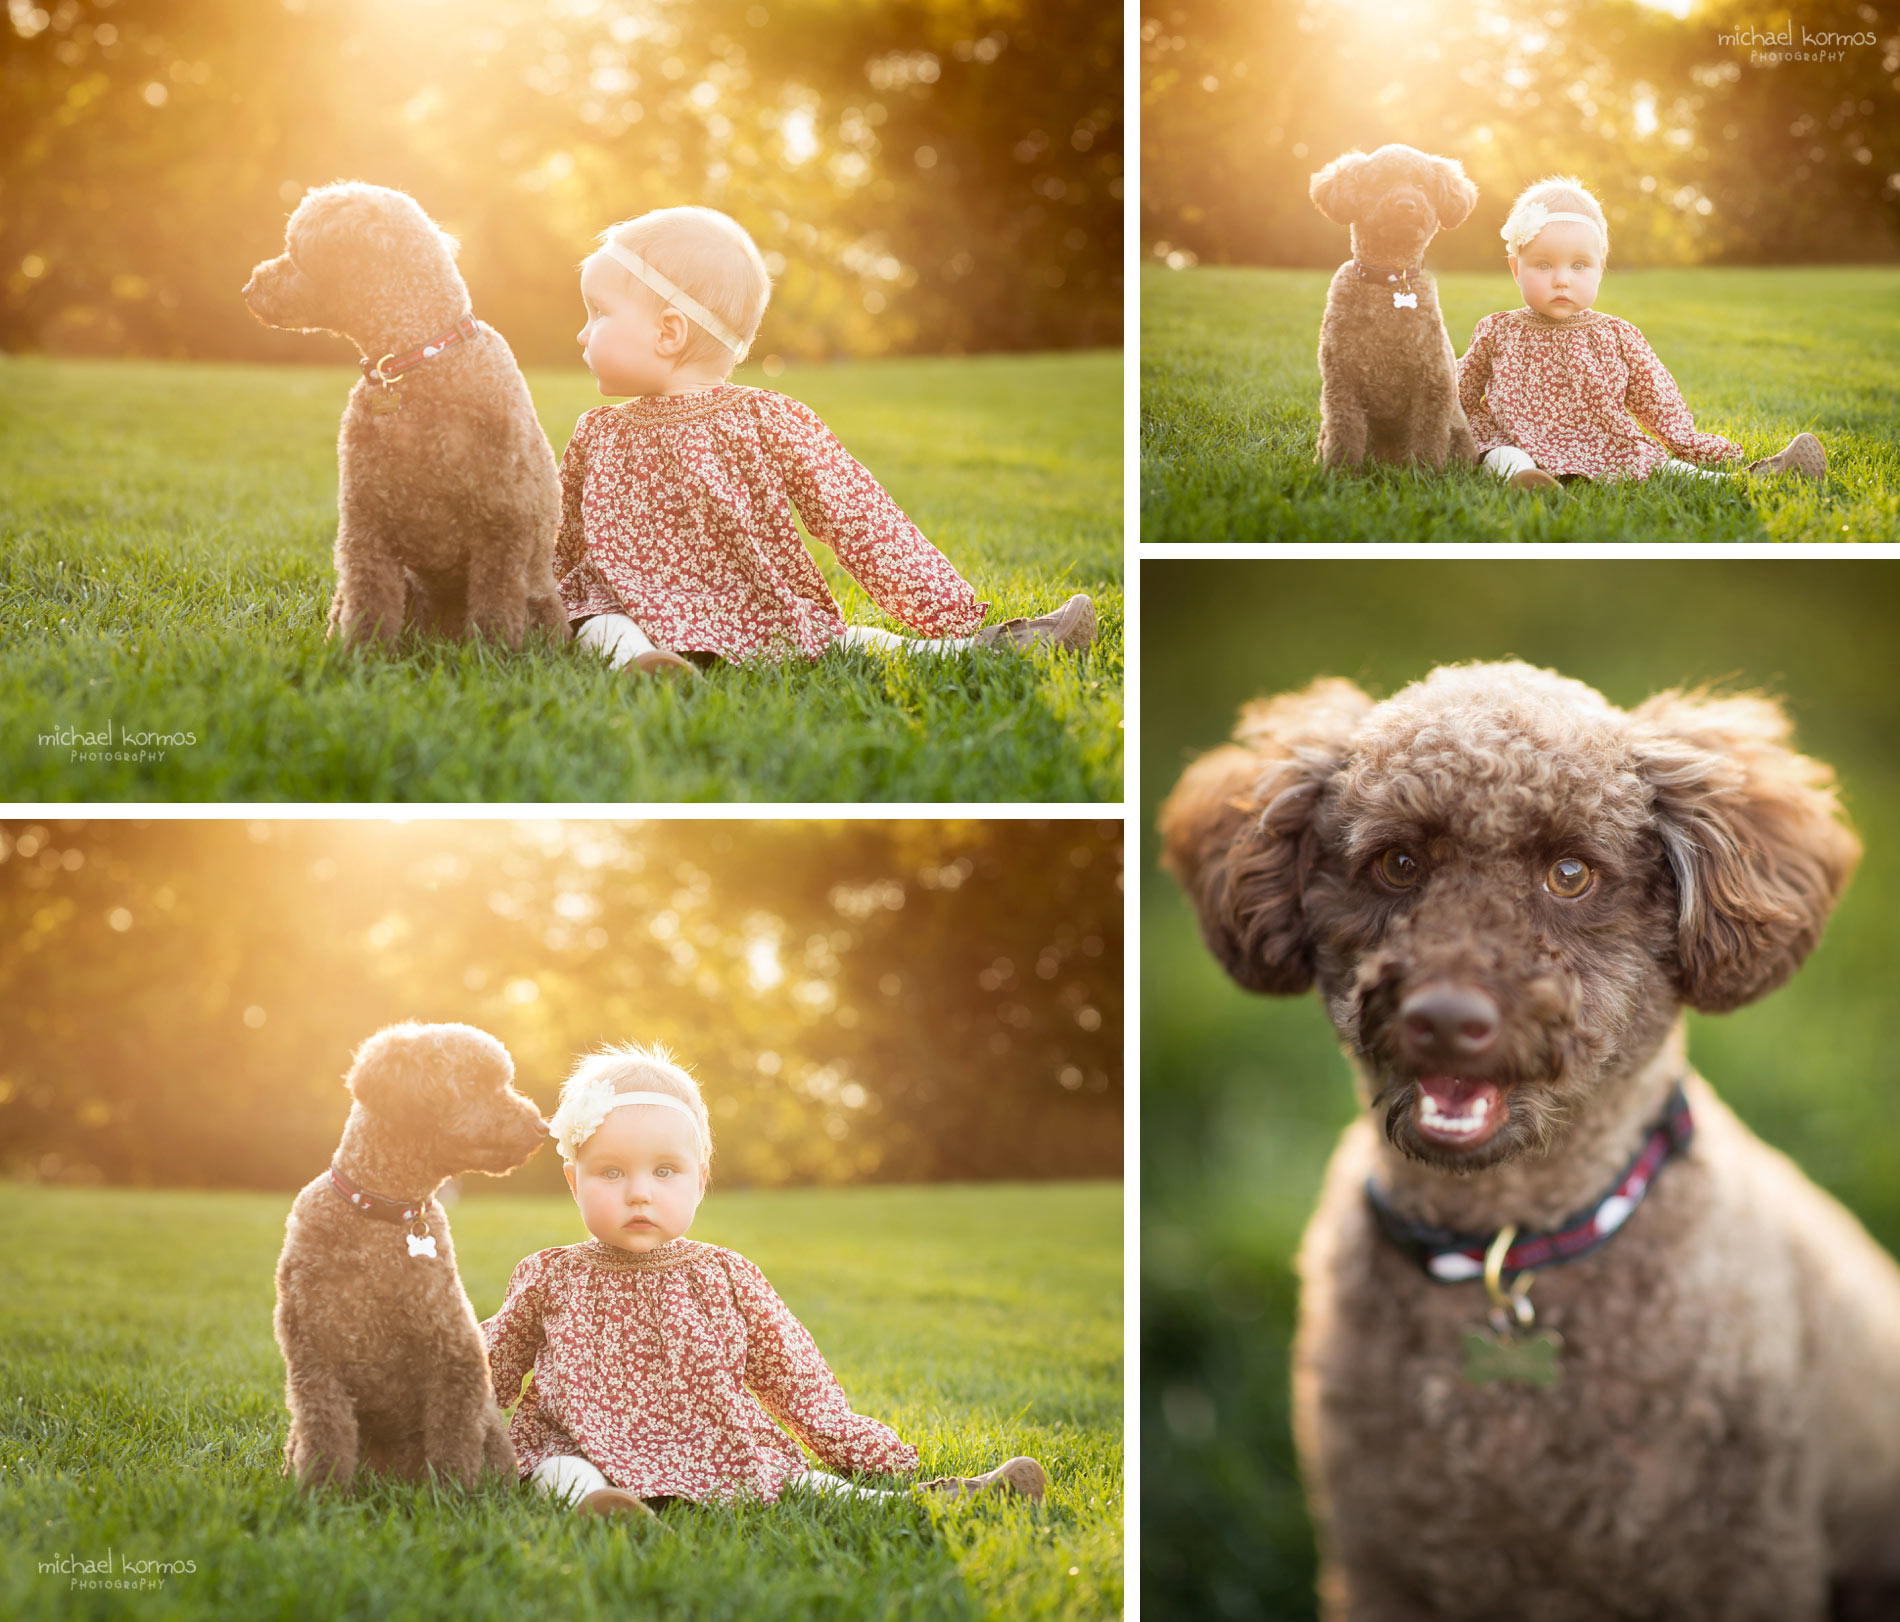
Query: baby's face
1559	269
639	1179
626	340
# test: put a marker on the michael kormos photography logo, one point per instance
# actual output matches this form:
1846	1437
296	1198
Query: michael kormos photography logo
111	742
1794	42
114	1570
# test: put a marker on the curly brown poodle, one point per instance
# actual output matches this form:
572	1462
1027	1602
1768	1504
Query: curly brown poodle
1507	891
386	1364
449	499
1388	376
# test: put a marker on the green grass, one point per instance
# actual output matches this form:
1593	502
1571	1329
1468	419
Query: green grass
1230	413
165	540
141	1411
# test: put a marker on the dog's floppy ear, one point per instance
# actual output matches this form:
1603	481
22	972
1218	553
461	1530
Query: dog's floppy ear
1237	831
1335	189
1454	196
390	1076
1754	836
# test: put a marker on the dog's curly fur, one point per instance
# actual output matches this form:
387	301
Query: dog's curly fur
1724	1443
386	1364
1388	377
448	506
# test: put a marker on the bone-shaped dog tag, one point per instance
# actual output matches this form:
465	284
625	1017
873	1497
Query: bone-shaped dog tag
1405	301
424	1246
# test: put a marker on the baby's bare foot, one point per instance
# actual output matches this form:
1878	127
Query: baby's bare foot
1534	478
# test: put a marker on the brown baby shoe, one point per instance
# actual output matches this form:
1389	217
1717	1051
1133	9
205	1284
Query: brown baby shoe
1804	455
663	662
612	1501
1071	626
1015	1475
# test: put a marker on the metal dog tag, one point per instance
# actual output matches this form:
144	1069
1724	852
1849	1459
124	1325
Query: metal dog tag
1405	301
384	402
423	1246
1513	1359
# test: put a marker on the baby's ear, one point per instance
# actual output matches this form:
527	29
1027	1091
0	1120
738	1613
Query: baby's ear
1335	189
1237	831
1754	835
1455	196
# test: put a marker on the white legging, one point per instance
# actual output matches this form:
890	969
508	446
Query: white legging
621	641
1507	461
568	1477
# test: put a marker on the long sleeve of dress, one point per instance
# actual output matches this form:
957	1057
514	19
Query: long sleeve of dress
1474	376
847	509
514	1333
786	1372
1656	402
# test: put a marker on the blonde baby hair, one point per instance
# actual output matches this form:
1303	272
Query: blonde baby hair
713	259
1558	194
589	1091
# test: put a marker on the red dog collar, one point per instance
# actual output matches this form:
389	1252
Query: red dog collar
385	371
379	1206
1455	1258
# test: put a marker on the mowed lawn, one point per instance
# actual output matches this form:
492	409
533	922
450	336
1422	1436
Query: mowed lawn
165	566
141	1413
1230	413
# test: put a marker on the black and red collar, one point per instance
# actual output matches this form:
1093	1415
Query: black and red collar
380	1206
1455	1258
1400	276
385	371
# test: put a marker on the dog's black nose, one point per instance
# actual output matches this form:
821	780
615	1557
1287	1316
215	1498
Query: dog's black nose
1445	1022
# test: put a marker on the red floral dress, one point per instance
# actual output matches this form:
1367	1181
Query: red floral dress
1577	395
667	1369
677	511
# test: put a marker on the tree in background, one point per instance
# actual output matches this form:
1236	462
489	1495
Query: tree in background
862	1001
1701	152
923	175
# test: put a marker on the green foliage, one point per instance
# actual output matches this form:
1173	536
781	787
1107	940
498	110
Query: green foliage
1244	1096
869	999
923	175
167	534
1701	148
141	1410
1230	414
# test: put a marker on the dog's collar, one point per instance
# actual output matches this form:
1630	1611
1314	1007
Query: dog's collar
1455	1258
1401	274
379	1206
382	373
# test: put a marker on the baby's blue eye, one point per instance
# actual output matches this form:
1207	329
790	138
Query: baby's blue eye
611	1173
662	1171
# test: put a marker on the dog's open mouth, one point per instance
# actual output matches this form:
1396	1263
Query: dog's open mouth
1455	1112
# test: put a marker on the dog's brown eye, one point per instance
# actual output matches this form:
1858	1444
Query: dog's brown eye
1399	868
1568	878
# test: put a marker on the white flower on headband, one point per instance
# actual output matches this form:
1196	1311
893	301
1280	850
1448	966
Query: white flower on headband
1523	225
586	1105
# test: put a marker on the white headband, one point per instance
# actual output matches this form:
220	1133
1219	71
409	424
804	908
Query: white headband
1524	224
582	1111
673	293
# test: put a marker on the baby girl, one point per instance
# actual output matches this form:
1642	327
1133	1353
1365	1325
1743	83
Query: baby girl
676	512
664	1367
1560	388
